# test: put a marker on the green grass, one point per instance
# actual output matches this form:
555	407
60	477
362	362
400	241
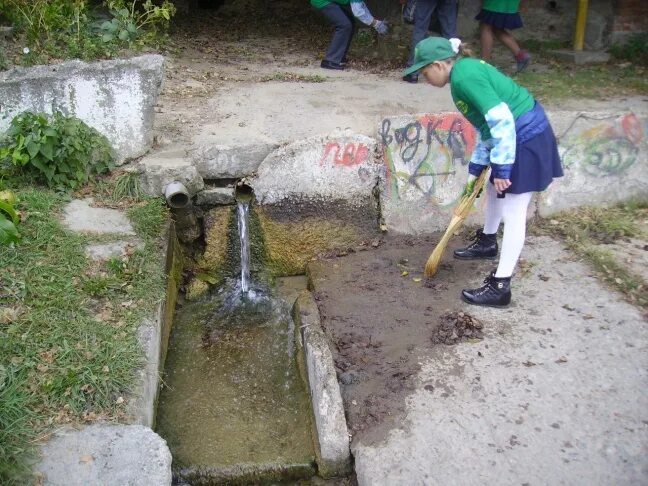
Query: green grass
585	229
68	327
563	81
288	77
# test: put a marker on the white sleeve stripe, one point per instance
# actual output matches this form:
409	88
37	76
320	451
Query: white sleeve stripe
502	128
361	12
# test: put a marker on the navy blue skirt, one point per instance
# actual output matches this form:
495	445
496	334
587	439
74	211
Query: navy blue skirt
500	20
537	163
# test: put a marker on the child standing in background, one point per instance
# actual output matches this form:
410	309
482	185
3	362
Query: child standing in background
515	139
496	18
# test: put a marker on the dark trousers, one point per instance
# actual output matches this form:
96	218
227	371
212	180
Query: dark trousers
344	23
446	11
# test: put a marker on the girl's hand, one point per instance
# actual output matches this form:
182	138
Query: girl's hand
501	185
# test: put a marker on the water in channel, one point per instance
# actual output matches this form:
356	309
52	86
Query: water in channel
233	398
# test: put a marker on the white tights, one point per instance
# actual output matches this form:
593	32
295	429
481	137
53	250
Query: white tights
512	209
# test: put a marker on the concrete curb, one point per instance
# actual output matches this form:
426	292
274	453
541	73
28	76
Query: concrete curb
332	448
153	336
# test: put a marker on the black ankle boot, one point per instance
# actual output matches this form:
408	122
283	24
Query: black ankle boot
496	292
483	247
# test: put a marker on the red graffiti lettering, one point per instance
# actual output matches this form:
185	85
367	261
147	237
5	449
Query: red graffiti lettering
632	128
352	154
452	123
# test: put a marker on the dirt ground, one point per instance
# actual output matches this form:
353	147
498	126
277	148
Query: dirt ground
382	315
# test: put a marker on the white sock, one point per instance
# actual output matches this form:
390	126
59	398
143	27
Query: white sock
514	212
493	210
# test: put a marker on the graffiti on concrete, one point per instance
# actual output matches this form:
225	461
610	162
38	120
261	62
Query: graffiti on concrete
346	155
422	157
607	149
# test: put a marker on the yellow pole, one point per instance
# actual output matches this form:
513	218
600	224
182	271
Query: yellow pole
581	21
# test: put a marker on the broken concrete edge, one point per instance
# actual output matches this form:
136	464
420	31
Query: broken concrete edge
153	336
105	454
332	447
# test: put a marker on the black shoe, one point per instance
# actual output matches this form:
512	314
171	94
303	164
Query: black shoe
496	292
483	247
411	78
332	65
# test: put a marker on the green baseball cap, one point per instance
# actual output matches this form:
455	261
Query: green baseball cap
430	50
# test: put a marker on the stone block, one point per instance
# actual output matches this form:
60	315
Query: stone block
81	217
162	168
219	196
115	97
605	159
215	161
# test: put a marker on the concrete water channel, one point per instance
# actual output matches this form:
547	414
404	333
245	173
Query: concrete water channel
235	406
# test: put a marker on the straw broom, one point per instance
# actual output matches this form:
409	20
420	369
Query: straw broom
460	213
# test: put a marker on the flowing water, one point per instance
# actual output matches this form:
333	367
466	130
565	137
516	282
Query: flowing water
233	401
243	208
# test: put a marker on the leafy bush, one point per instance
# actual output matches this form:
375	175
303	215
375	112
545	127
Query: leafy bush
8	218
69	28
63	151
43	20
130	23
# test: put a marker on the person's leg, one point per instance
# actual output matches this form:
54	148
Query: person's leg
522	57
422	16
486	40
497	289
493	210
506	38
447	13
351	18
342	34
484	245
514	212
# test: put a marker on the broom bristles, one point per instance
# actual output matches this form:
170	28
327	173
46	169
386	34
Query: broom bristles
459	214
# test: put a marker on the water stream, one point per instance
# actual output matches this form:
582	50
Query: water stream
243	208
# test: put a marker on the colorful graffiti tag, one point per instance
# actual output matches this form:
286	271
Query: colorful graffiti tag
422	157
607	149
347	155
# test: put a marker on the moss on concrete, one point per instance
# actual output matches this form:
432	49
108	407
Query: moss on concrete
217	260
290	245
196	289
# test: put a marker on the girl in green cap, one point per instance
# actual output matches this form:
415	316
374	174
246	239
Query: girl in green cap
515	139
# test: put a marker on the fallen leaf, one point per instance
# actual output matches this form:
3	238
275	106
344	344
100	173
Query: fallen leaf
405	273
86	459
562	359
416	279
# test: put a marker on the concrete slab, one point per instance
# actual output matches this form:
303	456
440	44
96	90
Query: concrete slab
333	456
81	217
276	112
554	394
103	455
582	57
